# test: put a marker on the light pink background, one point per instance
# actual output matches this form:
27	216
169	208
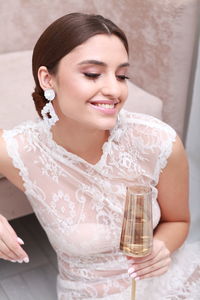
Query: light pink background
161	34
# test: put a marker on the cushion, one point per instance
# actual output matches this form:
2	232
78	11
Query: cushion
141	101
16	104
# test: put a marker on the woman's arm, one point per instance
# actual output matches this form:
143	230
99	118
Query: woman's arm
173	197
6	165
174	224
10	243
2	153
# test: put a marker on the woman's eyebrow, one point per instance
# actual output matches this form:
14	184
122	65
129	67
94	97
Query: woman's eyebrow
100	63
92	62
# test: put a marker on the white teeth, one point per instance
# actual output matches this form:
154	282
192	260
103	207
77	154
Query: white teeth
105	105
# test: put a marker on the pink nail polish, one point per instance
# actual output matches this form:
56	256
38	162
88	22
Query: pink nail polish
26	259
137	278
131	270
20	261
20	241
133	275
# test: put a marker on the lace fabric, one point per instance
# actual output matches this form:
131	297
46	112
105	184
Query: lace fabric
80	205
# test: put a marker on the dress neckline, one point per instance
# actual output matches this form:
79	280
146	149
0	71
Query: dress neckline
65	154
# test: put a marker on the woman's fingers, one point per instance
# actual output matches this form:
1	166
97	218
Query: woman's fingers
10	244
12	250
157	247
151	259
154	264
2	256
7	253
155	269
158	272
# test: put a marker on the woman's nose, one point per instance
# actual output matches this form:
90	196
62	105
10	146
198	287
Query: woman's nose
111	87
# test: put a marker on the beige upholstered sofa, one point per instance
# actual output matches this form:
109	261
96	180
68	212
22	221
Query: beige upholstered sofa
162	41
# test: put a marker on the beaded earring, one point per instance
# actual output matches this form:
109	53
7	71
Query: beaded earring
48	109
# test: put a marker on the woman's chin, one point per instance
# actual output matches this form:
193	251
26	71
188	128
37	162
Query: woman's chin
109	125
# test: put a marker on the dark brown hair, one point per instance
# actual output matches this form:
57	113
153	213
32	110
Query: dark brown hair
61	37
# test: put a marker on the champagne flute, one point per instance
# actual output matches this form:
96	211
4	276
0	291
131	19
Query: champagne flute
137	229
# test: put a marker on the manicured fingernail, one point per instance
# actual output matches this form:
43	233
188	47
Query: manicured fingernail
26	259
137	278
131	270
20	241
133	275
13	261
20	261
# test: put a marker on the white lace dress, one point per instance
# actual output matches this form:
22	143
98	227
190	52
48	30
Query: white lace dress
80	206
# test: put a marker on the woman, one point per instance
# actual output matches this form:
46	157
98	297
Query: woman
75	163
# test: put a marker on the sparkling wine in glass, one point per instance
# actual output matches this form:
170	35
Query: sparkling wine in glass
137	229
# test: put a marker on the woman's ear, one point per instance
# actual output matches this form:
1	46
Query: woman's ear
45	78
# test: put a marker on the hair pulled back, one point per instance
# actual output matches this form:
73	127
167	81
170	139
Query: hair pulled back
61	37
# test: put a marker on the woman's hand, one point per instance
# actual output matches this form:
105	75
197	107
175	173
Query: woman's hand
10	248
154	264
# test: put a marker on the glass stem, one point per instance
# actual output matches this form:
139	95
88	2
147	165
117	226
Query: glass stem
133	290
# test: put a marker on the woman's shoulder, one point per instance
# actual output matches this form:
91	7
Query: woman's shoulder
9	138
2	147
22	128
5	163
146	124
7	168
3	153
12	142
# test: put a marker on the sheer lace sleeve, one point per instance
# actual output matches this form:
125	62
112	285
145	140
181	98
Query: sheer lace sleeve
152	139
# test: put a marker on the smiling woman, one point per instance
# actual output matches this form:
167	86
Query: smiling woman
92	108
75	163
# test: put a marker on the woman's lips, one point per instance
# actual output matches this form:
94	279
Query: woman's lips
106	107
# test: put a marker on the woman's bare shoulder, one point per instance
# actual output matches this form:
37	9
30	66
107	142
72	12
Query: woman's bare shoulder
6	165
3	154
173	186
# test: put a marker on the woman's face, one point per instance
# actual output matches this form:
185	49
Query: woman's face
90	83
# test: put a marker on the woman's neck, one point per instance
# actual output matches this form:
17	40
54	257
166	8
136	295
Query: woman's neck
81	141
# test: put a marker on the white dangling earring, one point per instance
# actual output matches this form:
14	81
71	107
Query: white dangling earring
48	109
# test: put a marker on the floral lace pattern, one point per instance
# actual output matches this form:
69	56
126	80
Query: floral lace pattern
80	205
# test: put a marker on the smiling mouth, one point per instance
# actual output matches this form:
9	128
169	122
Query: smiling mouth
105	108
104	105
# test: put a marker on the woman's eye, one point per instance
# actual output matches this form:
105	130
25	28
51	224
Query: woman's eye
122	77
92	75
